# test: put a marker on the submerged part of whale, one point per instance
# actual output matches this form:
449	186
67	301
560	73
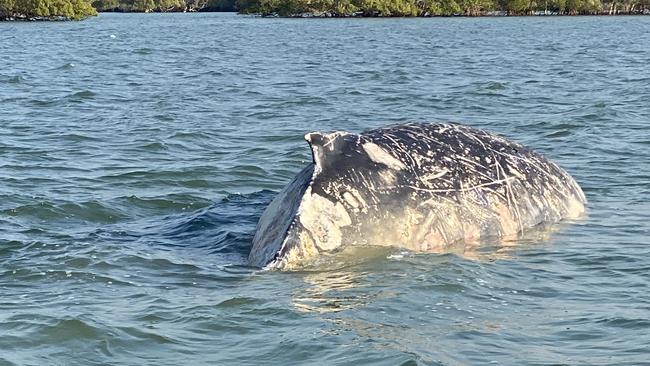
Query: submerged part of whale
422	187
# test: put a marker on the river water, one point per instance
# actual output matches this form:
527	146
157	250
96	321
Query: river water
138	151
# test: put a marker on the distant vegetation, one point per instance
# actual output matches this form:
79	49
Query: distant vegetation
147	6
45	9
414	8
391	8
79	9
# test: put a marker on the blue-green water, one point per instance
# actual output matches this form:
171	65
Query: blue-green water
138	151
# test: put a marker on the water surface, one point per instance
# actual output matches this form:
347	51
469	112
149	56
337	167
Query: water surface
138	151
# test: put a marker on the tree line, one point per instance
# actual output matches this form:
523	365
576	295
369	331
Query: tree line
45	9
400	8
79	9
147	6
414	8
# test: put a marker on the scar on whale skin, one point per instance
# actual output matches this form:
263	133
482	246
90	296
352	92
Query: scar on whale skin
417	186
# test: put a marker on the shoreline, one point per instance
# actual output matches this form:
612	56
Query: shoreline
22	18
492	14
348	16
61	10
36	19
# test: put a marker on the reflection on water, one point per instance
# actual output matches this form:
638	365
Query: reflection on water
330	287
331	292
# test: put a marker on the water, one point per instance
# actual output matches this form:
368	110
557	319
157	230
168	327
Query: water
138	151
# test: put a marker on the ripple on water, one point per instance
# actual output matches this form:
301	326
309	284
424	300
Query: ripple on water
43	103
167	203
81	95
91	211
494	85
66	66
15	79
143	51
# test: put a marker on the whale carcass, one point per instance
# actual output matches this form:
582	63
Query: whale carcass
422	187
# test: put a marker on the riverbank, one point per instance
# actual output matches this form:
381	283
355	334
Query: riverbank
432	8
24	18
53	10
376	15
164	6
486	14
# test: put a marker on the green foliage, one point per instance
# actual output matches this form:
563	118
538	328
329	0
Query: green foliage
70	9
558	6
476	7
450	7
142	5
516	7
103	5
219	5
168	5
365	7
6	7
574	7
78	9
433	7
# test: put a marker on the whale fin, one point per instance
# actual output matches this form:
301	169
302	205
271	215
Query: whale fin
324	146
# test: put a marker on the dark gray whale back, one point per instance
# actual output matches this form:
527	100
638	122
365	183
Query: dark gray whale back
422	187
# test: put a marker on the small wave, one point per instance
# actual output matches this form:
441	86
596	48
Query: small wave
66	66
626	323
175	202
16	79
238	302
148	336
164	117
559	133
68	329
568	125
143	51
494	85
9	246
4	361
155	146
187	136
78	137
44	103
248	171
91	211
81	95
215	73
74	97
225	227
195	177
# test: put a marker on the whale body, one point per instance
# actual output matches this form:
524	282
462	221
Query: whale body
422	187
